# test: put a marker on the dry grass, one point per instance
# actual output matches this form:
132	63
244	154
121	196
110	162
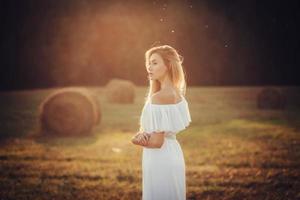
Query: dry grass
232	150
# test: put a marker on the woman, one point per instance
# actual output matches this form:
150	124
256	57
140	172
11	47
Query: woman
165	113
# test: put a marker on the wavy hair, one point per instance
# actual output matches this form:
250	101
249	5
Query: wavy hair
173	62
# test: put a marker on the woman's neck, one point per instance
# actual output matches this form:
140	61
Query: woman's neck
166	83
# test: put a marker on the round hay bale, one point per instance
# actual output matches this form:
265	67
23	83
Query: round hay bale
97	109
120	91
270	98
69	112
292	95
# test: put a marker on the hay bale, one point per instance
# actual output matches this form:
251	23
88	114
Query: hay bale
69	112
97	109
120	91
292	94
270	98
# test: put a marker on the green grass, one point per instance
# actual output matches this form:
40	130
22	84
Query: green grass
232	150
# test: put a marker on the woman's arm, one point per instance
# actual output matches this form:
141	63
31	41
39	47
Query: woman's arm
149	140
156	140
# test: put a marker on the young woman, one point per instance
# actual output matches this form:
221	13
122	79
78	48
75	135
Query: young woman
165	113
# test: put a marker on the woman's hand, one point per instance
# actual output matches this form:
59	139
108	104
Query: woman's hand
135	139
141	138
144	139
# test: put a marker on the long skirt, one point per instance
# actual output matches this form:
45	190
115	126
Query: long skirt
163	172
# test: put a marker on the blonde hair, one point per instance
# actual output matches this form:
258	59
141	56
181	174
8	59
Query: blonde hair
173	62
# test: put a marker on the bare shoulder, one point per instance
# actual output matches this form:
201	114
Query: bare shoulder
167	96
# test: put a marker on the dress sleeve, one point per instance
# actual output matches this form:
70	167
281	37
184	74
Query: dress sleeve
170	119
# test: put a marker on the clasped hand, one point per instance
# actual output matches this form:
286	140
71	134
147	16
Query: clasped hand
141	138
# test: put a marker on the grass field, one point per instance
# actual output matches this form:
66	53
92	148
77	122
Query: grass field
232	150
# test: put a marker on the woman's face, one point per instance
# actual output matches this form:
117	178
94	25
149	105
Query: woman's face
157	69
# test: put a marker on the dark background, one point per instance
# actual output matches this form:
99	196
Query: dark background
87	42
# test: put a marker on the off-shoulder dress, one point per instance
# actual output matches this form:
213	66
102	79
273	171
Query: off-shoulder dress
163	169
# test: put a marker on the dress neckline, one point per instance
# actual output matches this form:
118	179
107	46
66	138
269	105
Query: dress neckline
172	104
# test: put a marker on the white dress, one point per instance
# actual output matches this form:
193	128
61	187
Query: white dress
163	168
